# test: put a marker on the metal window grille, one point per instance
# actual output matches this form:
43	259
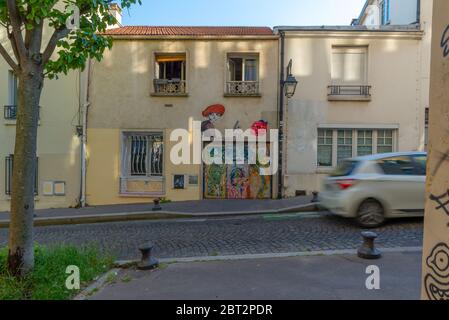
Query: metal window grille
9	162
145	154
10	112
349	90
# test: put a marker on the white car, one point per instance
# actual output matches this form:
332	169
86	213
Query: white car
374	188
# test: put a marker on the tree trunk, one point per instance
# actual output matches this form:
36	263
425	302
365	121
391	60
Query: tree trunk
21	253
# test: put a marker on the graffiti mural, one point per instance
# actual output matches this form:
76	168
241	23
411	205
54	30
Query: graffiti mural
236	181
213	114
437	280
215	181
259	186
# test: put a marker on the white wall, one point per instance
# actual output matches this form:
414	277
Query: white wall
394	74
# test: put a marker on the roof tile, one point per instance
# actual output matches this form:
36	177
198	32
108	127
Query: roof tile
189	31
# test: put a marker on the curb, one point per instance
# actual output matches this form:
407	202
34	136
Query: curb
159	215
124	264
96	285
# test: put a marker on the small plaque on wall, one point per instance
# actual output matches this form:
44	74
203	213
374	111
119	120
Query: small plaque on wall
59	188
178	181
48	188
193	180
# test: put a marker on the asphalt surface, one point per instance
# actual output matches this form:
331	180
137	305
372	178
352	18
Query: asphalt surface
297	278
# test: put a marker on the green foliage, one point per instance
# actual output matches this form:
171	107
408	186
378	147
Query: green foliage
73	49
47	282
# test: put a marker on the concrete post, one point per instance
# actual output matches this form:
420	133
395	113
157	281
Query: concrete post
435	278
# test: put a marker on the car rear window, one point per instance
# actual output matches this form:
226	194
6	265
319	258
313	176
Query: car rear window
402	165
345	168
421	165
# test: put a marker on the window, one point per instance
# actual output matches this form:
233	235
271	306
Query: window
170	74
364	142
171	66
336	145
9	162
344	149
349	65
384	141
345	168
10	110
12	88
143	154
420	164
243	74
397	166
243	68
325	148
385	5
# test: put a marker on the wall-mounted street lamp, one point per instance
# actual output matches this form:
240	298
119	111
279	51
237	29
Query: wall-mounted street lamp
288	88
290	82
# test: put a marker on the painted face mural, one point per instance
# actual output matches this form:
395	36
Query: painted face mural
213	114
437	282
259	128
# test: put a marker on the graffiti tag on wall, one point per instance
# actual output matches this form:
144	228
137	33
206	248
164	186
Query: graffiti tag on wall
442	202
445	42
437	280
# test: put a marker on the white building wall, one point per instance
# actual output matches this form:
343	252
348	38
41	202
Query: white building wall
394	74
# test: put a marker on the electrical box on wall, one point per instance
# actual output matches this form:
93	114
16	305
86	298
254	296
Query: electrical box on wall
54	188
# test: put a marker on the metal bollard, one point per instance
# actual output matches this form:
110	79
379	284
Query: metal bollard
157	206
368	250
148	262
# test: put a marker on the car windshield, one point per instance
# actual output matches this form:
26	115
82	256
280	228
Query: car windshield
345	168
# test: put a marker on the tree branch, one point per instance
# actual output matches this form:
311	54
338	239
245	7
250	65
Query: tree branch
16	23
13	46
58	34
8	59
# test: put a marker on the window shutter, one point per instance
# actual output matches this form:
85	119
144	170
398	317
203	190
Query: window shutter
349	65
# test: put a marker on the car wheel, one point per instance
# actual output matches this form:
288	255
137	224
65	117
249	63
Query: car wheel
370	214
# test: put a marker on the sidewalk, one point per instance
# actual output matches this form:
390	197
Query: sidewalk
185	209
333	277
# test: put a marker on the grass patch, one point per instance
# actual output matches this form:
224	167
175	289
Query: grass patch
47	281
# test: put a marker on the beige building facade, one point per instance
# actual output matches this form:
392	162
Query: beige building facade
58	147
157	80
105	135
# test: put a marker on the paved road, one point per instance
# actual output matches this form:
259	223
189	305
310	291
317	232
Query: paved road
230	236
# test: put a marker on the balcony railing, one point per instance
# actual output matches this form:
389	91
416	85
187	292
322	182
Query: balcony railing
10	112
242	88
349	92
169	87
9	165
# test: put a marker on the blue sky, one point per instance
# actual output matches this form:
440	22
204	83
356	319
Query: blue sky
243	12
